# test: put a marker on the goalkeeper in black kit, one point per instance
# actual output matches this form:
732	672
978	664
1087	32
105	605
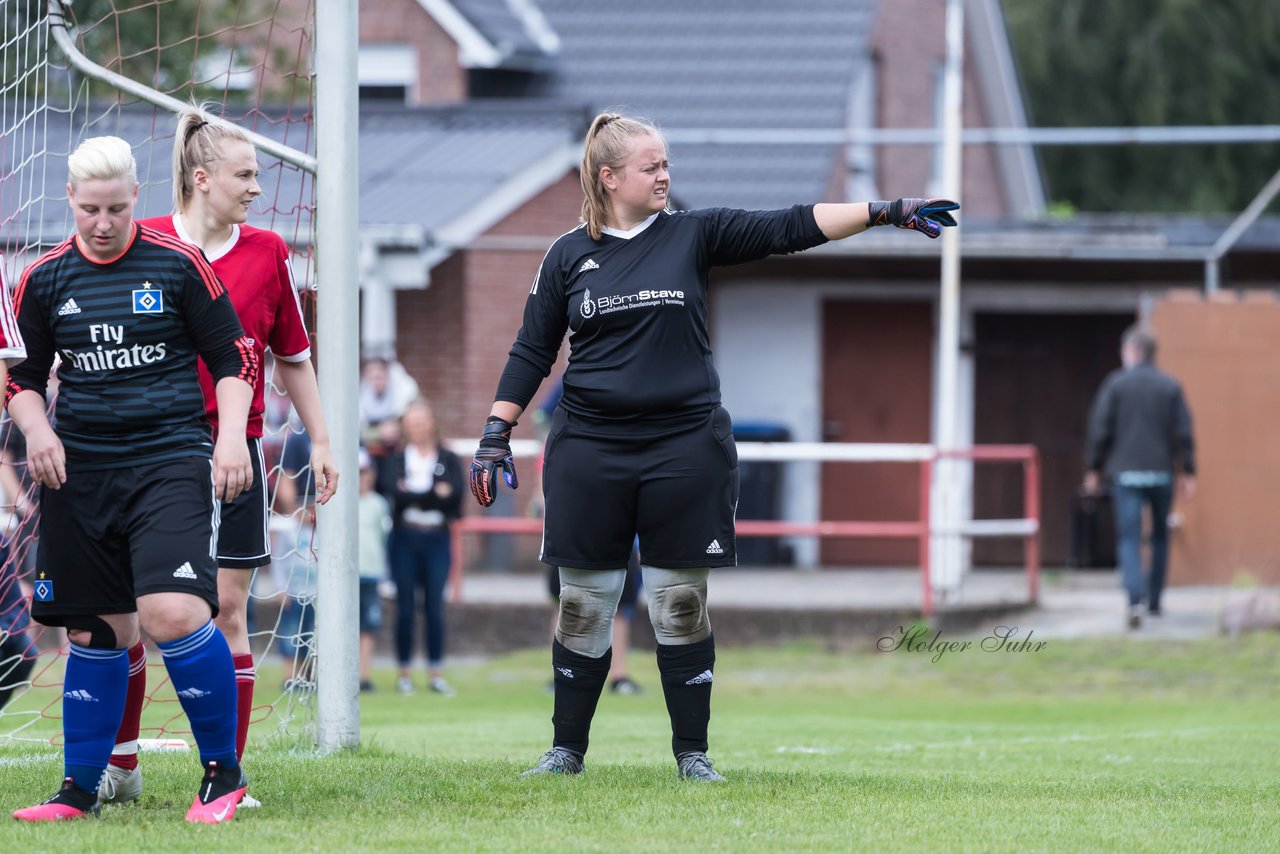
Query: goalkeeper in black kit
640	445
130	477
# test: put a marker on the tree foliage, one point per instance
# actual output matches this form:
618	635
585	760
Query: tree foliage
1151	62
182	47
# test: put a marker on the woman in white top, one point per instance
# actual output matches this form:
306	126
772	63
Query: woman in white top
424	483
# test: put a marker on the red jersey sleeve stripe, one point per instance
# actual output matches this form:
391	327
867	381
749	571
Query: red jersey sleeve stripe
210	278
61	249
248	373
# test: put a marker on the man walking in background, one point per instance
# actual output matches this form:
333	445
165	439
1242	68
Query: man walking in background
1140	435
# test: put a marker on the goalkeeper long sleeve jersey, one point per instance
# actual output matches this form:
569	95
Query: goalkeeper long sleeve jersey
634	305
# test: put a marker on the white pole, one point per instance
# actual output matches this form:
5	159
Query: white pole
947	552
338	335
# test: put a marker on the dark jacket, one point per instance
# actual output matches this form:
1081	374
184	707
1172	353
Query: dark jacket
1140	422
390	483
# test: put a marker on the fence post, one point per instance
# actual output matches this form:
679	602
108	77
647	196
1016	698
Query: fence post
1031	500
926	536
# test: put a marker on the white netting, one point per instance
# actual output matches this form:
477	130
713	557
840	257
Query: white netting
252	58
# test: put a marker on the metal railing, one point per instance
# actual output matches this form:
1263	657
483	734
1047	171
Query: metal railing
1026	527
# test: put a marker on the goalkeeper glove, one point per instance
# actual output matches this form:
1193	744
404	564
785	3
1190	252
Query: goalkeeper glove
494	453
927	216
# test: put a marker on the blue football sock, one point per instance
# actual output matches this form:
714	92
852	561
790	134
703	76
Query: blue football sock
204	678
93	695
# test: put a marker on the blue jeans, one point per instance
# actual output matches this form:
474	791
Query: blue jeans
1127	501
420	559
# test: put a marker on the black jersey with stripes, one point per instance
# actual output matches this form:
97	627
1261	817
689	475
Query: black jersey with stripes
128	333
635	307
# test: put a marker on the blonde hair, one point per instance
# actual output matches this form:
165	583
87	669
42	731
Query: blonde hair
608	141
198	142
101	158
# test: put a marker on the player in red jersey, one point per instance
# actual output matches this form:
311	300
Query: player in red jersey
215	171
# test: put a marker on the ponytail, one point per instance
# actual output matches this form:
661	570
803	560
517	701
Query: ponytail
197	142
608	142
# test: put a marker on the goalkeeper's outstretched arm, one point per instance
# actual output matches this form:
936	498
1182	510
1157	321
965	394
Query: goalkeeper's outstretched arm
928	216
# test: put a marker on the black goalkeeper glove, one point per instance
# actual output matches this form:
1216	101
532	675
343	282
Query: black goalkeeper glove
927	216
494	453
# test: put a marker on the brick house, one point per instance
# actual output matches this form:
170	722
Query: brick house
470	131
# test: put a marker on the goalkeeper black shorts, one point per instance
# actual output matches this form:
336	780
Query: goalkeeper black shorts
678	492
108	537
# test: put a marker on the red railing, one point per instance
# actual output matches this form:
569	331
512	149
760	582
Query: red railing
1027	528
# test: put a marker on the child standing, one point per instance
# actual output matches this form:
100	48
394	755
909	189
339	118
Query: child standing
375	524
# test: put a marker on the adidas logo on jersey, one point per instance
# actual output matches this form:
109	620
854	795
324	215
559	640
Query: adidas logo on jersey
588	265
701	679
185	571
714	548
568	672
82	695
196	693
68	307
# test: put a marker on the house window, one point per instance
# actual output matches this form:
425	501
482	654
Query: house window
387	72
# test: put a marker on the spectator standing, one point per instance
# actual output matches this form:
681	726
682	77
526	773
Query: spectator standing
385	390
375	524
1140	436
423	482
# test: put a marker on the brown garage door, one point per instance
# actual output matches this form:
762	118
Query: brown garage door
876	387
1035	376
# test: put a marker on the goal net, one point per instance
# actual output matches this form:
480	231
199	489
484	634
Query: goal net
251	59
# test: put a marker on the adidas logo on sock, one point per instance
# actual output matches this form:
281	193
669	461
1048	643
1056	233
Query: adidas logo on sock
568	672
80	694
193	693
69	307
714	548
185	571
701	679
588	265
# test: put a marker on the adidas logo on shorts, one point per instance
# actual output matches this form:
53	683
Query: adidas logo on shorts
568	672
701	679
68	307
714	548
185	571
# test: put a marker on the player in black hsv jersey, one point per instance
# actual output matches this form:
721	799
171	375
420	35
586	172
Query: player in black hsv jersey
639	444
130	478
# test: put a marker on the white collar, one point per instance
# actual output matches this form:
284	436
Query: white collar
215	254
627	235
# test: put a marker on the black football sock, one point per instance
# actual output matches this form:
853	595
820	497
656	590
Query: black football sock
686	682
579	680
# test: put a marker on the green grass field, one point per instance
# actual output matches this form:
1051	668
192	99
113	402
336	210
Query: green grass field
1119	745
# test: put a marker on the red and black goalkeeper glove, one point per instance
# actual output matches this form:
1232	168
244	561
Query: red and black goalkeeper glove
927	216
494	453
